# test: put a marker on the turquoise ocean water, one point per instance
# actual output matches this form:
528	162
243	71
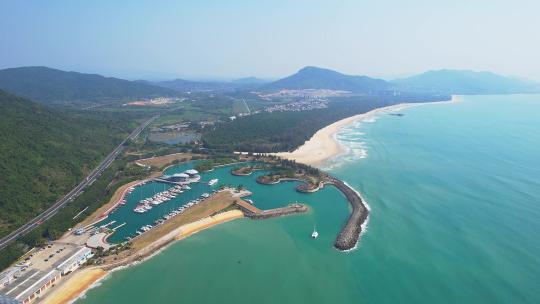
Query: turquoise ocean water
454	191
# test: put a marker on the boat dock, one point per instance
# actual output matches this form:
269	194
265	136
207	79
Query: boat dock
253	212
161	180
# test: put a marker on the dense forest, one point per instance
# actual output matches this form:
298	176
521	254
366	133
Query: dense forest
285	131
44	153
93	197
48	85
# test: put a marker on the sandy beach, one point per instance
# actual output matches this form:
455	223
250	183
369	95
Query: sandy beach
73	286
70	288
208	222
324	145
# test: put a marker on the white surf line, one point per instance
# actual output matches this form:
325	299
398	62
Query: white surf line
364	225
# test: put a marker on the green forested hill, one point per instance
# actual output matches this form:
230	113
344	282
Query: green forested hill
43	154
318	78
55	86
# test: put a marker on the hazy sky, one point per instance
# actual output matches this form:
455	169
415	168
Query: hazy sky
270	39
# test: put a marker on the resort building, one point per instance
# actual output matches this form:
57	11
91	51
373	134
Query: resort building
179	178
7	300
9	275
186	177
23	283
76	259
31	284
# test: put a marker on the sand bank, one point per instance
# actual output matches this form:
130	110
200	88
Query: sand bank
189	229
73	285
323	145
80	281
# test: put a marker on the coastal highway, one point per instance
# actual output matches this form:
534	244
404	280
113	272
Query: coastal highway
47	214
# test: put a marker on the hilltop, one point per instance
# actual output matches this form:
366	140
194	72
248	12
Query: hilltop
318	78
465	82
48	86
183	85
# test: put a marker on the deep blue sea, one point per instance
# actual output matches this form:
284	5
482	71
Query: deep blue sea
454	192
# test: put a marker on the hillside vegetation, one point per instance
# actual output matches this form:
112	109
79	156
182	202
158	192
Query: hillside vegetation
44	153
55	86
318	78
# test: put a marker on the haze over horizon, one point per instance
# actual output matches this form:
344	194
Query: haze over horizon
271	39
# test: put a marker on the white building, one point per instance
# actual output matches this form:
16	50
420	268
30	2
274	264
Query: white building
9	275
79	257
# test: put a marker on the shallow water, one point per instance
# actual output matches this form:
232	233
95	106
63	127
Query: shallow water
454	191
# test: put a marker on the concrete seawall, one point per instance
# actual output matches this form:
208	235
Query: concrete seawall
349	235
257	214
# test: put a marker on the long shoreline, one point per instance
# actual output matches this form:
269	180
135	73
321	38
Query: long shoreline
84	279
321	147
324	145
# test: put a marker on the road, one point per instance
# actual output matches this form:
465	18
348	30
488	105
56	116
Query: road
75	192
245	103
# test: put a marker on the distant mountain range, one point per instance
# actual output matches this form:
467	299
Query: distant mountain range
55	86
465	82
182	85
250	80
318	78
438	82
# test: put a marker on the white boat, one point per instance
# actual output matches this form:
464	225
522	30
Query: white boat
315	234
213	182
139	209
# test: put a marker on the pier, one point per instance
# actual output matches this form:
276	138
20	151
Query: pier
253	212
349	235
161	180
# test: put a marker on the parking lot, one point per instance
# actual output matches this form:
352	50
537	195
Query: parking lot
46	258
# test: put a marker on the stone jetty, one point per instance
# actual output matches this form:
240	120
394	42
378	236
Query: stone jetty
253	212
349	235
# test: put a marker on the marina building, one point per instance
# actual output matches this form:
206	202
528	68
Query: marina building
23	283
7	300
75	260
9	275
186	177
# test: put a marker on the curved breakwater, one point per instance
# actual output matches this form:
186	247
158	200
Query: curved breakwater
350	234
450	221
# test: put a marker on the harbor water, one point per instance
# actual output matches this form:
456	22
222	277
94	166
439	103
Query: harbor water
454	192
